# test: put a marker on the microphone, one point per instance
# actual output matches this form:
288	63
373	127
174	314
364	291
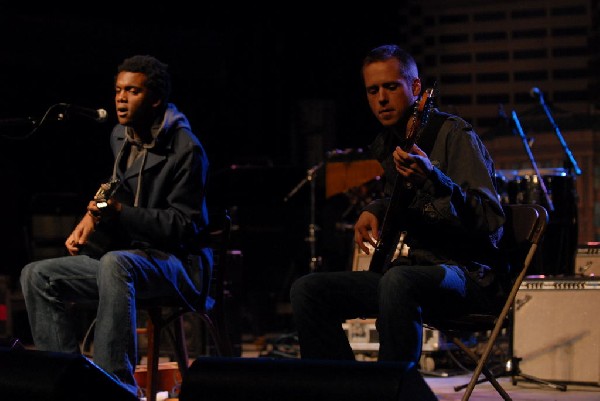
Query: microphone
99	115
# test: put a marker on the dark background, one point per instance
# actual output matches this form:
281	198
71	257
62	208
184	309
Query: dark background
254	81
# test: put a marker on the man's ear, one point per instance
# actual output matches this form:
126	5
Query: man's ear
416	87
157	103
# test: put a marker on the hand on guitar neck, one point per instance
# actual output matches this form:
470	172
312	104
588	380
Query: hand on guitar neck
105	192
413	166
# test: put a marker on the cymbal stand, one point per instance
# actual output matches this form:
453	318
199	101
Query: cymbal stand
312	227
518	129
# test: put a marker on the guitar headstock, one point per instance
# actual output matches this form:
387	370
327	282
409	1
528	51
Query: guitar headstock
425	103
105	192
420	116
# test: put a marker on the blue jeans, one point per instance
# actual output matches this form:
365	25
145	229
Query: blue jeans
399	299
114	281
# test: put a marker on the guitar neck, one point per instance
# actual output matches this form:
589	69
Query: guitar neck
400	197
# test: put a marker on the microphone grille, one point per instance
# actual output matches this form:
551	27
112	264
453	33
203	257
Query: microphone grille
102	115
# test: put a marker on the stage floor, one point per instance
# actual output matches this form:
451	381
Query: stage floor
443	387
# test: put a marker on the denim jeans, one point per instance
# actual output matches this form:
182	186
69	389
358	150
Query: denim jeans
114	281
399	299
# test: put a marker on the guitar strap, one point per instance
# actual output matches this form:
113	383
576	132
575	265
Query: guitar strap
430	132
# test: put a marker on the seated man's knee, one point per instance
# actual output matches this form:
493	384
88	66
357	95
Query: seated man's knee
30	272
397	280
111	258
114	264
25	277
302	288
297	289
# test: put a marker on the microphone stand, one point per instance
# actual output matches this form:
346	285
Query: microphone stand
14	124
571	159
27	122
312	227
517	127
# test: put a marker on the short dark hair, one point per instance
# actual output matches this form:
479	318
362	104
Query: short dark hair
389	51
158	77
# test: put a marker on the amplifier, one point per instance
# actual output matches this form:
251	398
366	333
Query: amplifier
557	330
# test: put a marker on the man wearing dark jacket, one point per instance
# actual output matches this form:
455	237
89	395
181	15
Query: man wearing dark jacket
140	236
449	216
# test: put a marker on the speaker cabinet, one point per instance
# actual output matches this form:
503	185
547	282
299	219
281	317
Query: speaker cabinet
47	376
266	379
557	330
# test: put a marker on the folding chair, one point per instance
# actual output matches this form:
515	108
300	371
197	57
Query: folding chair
524	228
163	312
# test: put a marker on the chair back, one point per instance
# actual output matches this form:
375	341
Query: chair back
523	231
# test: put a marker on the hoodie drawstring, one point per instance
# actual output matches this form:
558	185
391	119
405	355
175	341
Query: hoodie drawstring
138	190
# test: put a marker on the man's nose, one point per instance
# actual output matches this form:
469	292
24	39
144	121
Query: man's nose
383	99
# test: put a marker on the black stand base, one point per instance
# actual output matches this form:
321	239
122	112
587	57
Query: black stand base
515	372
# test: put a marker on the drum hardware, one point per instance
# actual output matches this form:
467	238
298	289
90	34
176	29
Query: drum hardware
311	173
352	177
516	127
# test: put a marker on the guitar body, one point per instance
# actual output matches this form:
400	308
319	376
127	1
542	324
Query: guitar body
402	193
